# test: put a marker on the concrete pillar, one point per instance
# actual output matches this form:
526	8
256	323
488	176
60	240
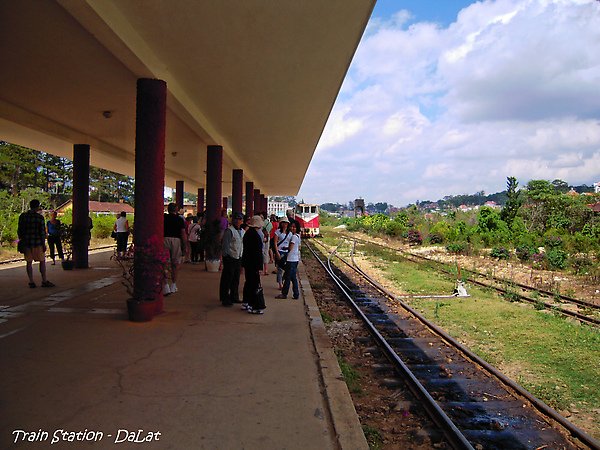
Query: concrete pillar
200	202
236	194
179	194
214	178
249	198
257	204
81	205
150	126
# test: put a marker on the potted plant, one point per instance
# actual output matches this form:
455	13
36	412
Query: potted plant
66	237
144	273
211	242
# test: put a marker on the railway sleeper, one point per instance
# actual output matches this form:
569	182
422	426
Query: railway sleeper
459	389
532	439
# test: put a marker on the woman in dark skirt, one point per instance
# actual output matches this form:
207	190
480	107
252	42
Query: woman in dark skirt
252	261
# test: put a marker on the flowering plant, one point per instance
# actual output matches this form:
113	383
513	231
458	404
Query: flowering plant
145	272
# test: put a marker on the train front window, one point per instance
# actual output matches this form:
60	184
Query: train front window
313	209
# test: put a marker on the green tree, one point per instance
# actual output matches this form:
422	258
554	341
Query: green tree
513	203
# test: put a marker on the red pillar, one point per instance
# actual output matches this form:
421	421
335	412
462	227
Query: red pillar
257	204
151	108
81	205
179	194
236	194
266	205
249	198
225	203
214	177
200	204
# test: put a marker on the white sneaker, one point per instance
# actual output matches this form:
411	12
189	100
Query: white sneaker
166	289
173	288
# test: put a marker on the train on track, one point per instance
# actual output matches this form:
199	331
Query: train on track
307	215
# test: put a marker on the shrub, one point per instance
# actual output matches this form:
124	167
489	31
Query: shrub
500	253
103	226
394	228
436	238
538	260
457	247
581	264
414	237
524	252
557	258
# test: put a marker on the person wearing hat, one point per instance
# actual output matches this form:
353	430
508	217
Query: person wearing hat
232	253
281	246
252	261
32	241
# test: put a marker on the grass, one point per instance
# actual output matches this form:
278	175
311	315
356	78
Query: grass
373	437
555	359
351	376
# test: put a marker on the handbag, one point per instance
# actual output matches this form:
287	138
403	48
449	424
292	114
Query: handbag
21	246
282	261
113	234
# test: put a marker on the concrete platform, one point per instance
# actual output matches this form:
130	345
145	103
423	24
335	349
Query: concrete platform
199	376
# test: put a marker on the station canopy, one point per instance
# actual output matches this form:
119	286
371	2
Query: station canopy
258	77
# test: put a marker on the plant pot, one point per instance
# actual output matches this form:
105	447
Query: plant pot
67	264
141	311
158	305
212	265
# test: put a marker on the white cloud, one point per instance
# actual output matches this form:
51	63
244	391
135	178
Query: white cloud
509	89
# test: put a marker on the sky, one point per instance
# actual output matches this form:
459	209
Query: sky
450	97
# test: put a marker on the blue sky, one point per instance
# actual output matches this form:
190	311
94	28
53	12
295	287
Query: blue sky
449	97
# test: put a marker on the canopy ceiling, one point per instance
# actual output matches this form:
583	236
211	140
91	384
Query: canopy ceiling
258	77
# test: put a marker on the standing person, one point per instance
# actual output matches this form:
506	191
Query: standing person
291	266
32	240
194	240
282	240
232	252
266	230
189	221
175	239
53	227
252	261
121	227
275	225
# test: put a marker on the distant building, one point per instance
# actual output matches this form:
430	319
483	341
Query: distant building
597	187
492	204
359	207
99	208
277	208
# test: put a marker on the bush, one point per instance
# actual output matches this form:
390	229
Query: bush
414	237
581	264
500	253
436	238
394	228
539	260
524	252
557	258
457	248
103	226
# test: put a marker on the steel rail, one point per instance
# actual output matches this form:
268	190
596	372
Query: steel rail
581	317
541	406
456	439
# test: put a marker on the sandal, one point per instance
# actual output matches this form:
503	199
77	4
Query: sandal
47	284
32	285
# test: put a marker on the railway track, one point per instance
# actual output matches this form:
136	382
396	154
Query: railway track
584	312
473	404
